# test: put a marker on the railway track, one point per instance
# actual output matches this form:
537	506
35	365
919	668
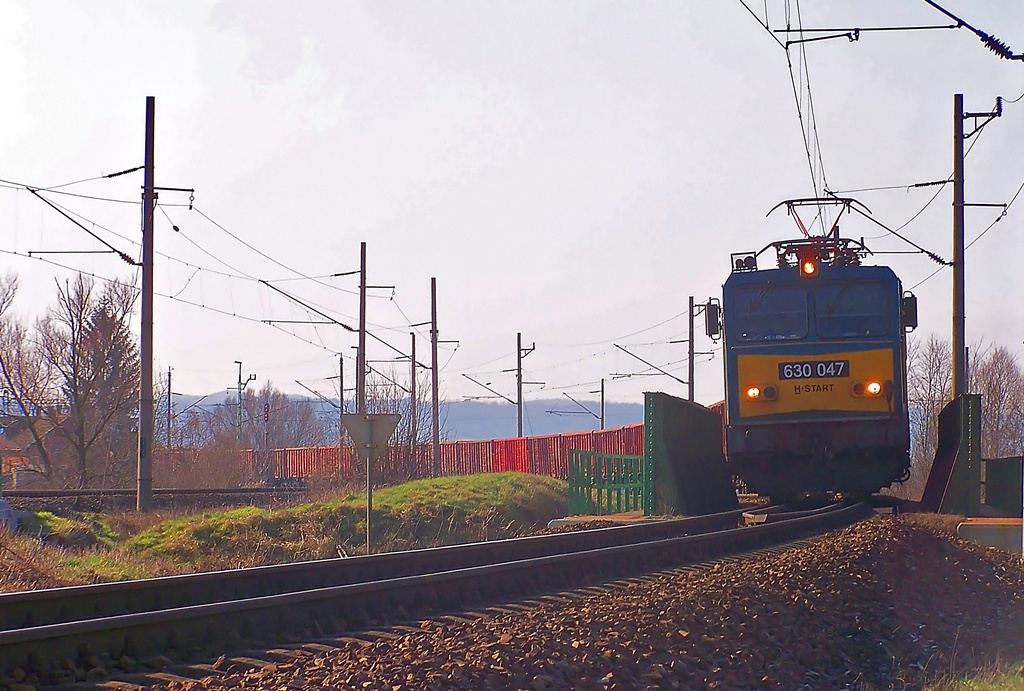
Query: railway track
163	497
188	617
157	492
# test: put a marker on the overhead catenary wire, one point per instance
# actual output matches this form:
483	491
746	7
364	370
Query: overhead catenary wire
272	259
990	41
239	274
134	286
178	291
176	295
998	218
122	255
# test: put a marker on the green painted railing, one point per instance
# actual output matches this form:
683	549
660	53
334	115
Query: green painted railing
602	484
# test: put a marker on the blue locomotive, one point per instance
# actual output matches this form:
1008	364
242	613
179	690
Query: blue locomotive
815	369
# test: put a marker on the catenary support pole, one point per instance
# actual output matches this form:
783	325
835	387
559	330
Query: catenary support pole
434	394
238	406
519	384
602	402
959	337
689	358
412	406
144	488
361	353
341	404
369	489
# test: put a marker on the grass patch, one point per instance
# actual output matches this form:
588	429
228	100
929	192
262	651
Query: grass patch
53	550
67	532
423	513
104	565
1002	678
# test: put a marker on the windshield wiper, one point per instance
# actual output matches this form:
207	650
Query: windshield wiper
830	308
756	303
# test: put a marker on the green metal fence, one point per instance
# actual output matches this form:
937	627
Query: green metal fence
602	483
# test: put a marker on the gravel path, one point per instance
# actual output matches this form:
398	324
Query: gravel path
884	604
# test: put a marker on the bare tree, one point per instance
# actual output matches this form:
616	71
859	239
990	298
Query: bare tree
996	375
270	420
993	372
929	382
161	402
76	382
384	394
26	377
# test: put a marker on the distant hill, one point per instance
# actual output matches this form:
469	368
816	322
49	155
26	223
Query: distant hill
488	420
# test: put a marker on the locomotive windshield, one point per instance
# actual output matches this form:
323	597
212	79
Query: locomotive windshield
769	313
851	310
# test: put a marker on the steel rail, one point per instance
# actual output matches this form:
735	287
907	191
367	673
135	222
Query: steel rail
158	491
313	613
54	605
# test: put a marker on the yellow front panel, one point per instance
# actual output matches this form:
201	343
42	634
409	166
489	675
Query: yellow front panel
798	395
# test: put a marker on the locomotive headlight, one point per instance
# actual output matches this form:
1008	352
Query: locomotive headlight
808	267
768	392
872	387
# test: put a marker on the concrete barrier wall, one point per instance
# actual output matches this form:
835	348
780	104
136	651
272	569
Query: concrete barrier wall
1001	533
1003	485
683	445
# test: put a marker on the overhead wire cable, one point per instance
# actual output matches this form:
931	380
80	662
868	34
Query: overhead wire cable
239	273
59	265
810	108
127	259
931	255
242	274
939	183
135	287
990	41
611	340
297	273
309	306
763	24
269	258
246	276
76	215
808	127
999	217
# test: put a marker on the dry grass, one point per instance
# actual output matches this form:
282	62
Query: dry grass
26	563
85	548
938	523
1003	676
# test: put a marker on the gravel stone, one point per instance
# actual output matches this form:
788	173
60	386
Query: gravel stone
885	604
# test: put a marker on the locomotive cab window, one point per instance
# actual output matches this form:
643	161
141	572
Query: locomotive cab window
851	310
769	313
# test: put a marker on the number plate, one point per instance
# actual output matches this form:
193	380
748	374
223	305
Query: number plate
814	369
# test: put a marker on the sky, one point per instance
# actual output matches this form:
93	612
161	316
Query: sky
572	171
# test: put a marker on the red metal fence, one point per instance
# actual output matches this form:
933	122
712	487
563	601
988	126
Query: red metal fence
548	455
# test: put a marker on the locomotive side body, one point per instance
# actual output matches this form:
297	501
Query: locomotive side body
815	379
